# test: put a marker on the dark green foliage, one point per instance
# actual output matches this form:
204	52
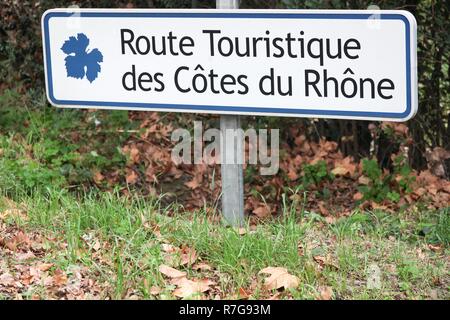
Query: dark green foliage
314	174
403	170
59	147
378	189
386	186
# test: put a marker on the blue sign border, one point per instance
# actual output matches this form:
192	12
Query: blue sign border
239	109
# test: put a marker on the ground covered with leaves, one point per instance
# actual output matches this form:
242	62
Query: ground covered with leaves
92	207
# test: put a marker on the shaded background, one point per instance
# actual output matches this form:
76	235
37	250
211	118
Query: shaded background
21	65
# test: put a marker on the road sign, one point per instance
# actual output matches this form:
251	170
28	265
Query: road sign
302	63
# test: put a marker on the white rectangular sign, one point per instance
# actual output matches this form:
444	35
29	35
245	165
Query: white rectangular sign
302	63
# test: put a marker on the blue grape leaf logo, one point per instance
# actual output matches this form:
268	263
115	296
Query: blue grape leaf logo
80	62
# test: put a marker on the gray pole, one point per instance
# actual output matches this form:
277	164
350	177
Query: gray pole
232	177
227	4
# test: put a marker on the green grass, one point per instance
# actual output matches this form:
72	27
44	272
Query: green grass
41	145
131	250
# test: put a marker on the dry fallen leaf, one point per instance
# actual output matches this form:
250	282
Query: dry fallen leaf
243	294
358	196
96	245
279	278
193	184
189	288
44	266
134	154
98	177
155	290
188	256
25	256
420	254
171	272
131	177
326	261
330	219
344	167
323	209
171	254
6	279
59	278
363	180
292	175
326	293
339	171
262	211
434	248
168	248
175	256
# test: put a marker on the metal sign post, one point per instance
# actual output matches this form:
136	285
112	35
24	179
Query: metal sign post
232	176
